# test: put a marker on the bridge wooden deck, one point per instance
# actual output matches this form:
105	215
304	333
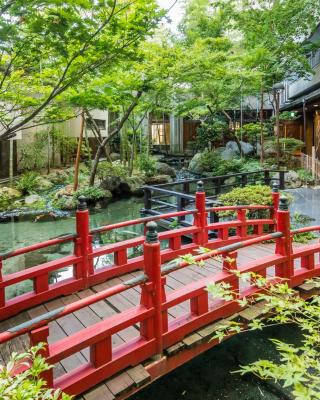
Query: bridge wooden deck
88	316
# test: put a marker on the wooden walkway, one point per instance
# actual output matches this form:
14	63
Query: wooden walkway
88	316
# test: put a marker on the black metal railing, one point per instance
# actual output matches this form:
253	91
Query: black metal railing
180	195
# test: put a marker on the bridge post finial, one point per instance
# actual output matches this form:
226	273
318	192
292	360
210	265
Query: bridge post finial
152	233
284	204
275	187
82	204
200	187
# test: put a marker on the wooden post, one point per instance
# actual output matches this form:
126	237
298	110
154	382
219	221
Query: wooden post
201	238
313	161
11	151
77	163
284	244
282	180
147	199
153	293
83	242
267	177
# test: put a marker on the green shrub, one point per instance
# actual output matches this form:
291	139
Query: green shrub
299	221
250	166
28	182
305	176
211	131
290	145
249	195
146	164
211	161
27	385
91	193
106	168
5	200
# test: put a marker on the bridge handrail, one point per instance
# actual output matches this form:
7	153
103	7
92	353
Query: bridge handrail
239	207
305	230
60	312
139	221
208	179
28	249
81	264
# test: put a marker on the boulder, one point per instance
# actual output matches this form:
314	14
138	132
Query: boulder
165	169
195	164
44	184
246	148
111	183
32	199
132	185
58	177
228	154
158	179
67	203
65	191
115	156
10	193
291	180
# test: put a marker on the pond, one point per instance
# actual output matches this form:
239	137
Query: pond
208	377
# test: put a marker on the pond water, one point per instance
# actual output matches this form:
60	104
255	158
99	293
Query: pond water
208	377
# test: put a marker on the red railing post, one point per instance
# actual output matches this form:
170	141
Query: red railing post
230	264
153	293
275	200
38	336
242	229
83	243
284	244
201	221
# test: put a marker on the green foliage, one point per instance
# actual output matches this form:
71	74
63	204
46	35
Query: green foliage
249	195
33	154
28	182
250	166
90	193
27	385
106	169
305	176
211	131
298	366
67	145
299	221
211	161
288	116
53	50
146	164
291	145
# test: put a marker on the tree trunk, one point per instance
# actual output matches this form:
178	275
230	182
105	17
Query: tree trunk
111	136
234	134
77	163
261	126
97	133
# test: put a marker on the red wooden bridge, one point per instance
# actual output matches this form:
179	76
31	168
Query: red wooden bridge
113	330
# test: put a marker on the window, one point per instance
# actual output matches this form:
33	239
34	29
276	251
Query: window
101	123
158	134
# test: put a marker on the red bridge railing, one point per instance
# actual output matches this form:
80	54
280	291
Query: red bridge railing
83	258
156	332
